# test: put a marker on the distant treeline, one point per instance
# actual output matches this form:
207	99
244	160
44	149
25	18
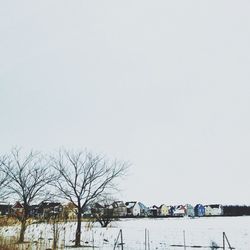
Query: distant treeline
236	210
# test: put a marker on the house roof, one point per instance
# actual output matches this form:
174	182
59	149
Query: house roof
142	206
70	205
118	204
31	207
98	205
180	207
4	206
3	203
156	207
214	206
199	205
17	205
49	204
153	208
130	204
162	205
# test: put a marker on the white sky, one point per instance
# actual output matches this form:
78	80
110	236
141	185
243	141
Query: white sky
163	84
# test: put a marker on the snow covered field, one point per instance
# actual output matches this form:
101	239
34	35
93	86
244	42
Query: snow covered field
163	232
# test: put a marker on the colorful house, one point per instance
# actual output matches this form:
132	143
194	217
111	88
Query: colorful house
199	210
189	210
17	209
69	211
133	208
144	210
214	210
171	210
179	210
164	210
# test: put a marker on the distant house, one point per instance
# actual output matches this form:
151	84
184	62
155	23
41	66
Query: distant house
189	210
48	208
214	210
144	211
154	211
163	210
87	210
179	210
133	208
199	210
171	210
119	209
69	211
97	209
5	208
33	210
102	211
17	209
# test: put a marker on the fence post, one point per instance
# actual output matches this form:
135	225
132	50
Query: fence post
116	240
119	235
121	239
223	241
225	238
93	239
184	239
148	241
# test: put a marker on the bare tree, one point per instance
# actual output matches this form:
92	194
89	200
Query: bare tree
28	176
84	177
103	211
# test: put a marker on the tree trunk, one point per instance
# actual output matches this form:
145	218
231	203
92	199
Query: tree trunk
22	231
55	235
78	229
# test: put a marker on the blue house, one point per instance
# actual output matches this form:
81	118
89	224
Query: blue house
171	210
144	210
199	210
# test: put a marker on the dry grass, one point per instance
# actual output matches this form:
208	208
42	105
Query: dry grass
8	221
8	244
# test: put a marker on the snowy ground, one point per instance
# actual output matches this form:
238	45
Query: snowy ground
163	232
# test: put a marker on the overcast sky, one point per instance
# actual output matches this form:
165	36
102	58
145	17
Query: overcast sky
162	84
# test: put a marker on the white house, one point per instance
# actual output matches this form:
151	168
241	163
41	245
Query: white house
179	210
119	209
133	208
214	209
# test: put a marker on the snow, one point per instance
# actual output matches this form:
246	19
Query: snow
163	232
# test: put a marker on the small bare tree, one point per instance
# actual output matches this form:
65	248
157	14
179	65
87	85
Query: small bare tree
28	176
103	216
83	178
103	211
